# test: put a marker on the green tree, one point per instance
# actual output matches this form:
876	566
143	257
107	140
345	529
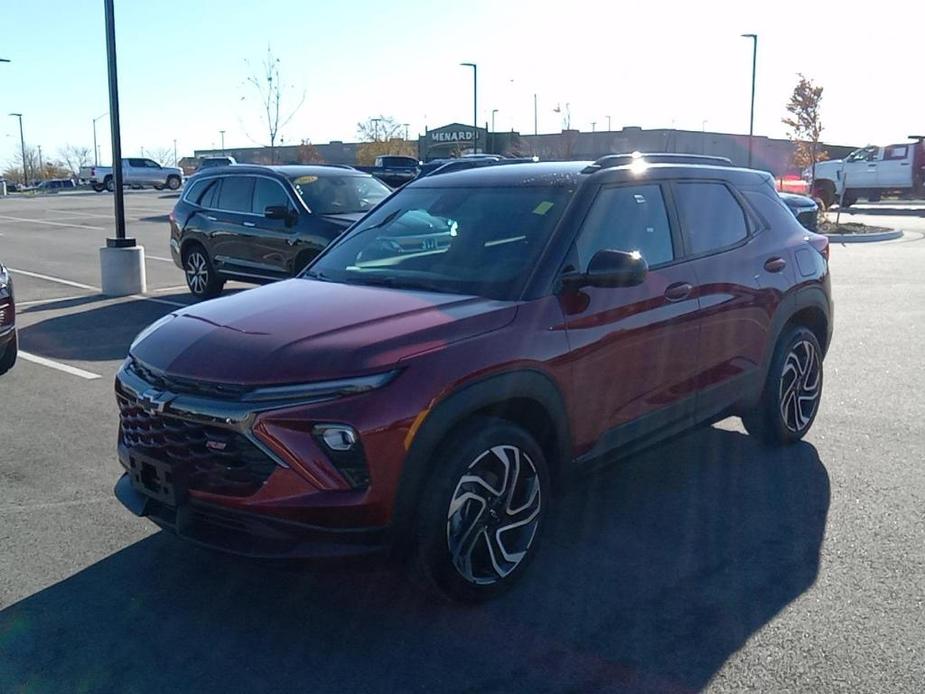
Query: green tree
804	123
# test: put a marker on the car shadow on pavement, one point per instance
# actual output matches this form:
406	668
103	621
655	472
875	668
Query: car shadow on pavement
650	576
159	218
99	333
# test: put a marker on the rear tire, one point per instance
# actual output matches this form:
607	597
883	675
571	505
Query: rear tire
792	392
482	511
99	187
201	278
850	198
110	184
8	355
173	183
158	186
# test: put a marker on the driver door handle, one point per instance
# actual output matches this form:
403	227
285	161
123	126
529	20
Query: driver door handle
678	291
249	225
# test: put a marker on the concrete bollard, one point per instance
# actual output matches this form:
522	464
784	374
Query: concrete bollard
122	270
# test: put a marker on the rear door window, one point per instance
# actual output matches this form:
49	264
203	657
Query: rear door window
711	217
236	194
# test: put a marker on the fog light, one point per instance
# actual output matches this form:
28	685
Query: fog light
337	437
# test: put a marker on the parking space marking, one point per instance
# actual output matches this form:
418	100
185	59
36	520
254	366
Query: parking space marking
49	278
170	289
168	302
72	370
157	257
54	224
51	301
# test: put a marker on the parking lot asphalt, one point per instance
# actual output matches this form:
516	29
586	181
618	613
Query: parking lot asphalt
705	563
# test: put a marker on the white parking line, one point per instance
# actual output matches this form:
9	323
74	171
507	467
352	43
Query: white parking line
92	288
170	289
51	301
157	257
49	278
73	370
54	224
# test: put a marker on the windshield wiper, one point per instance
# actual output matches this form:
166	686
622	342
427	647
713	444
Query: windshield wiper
381	224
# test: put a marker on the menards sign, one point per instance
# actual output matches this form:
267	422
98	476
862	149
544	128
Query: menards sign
452	136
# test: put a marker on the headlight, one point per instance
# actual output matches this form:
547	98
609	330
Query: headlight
4	277
150	329
320	389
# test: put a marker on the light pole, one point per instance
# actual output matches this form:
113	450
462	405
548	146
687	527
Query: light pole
475	106
535	118
41	166
593	126
493	112
222	133
751	119
96	158
22	143
405	126
375	122
609	129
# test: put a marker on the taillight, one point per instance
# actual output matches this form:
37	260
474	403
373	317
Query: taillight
820	243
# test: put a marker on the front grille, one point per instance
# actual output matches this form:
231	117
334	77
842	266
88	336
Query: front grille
211	459
6	312
179	385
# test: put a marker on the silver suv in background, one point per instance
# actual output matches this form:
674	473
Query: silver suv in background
136	172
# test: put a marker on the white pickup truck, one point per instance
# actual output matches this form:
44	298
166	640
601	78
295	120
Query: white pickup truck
136	173
871	172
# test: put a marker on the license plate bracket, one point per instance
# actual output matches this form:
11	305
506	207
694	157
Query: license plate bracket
154	478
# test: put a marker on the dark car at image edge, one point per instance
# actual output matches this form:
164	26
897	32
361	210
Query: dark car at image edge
9	344
263	223
433	379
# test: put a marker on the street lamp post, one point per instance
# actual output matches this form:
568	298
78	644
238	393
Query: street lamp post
22	143
593	126
175	152
475	106
41	166
405	126
751	119
96	158
608	124
222	133
493	112
375	122
535	118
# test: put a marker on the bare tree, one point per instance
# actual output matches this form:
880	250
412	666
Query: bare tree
805	124
270	91
75	156
566	114
14	172
378	129
162	155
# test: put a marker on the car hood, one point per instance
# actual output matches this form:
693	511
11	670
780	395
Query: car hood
344	219
303	330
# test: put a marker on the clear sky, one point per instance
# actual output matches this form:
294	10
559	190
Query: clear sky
182	67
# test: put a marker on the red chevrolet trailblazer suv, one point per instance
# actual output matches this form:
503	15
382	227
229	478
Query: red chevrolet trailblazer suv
437	373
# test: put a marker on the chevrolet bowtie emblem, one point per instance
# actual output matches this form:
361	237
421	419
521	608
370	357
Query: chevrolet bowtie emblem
155	400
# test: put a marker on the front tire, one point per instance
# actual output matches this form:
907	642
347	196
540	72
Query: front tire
110	184
790	399
825	192
201	278
173	183
8	355
482	511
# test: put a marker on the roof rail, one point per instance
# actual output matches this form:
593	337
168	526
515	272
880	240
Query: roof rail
613	160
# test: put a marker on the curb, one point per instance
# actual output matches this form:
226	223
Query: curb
884	211
865	238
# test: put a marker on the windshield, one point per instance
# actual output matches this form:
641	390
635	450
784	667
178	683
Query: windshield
340	194
480	241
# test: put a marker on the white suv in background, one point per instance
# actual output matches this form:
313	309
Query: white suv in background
136	172
873	171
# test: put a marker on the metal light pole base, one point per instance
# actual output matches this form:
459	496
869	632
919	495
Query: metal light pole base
122	268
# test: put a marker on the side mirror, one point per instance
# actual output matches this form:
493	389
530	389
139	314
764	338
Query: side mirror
281	212
610	269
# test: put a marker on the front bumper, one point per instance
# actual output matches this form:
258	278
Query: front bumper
248	534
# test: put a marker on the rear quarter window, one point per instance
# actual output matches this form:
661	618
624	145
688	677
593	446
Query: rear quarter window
711	217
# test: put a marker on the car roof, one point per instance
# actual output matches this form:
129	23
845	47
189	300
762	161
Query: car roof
572	172
287	171
526	174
